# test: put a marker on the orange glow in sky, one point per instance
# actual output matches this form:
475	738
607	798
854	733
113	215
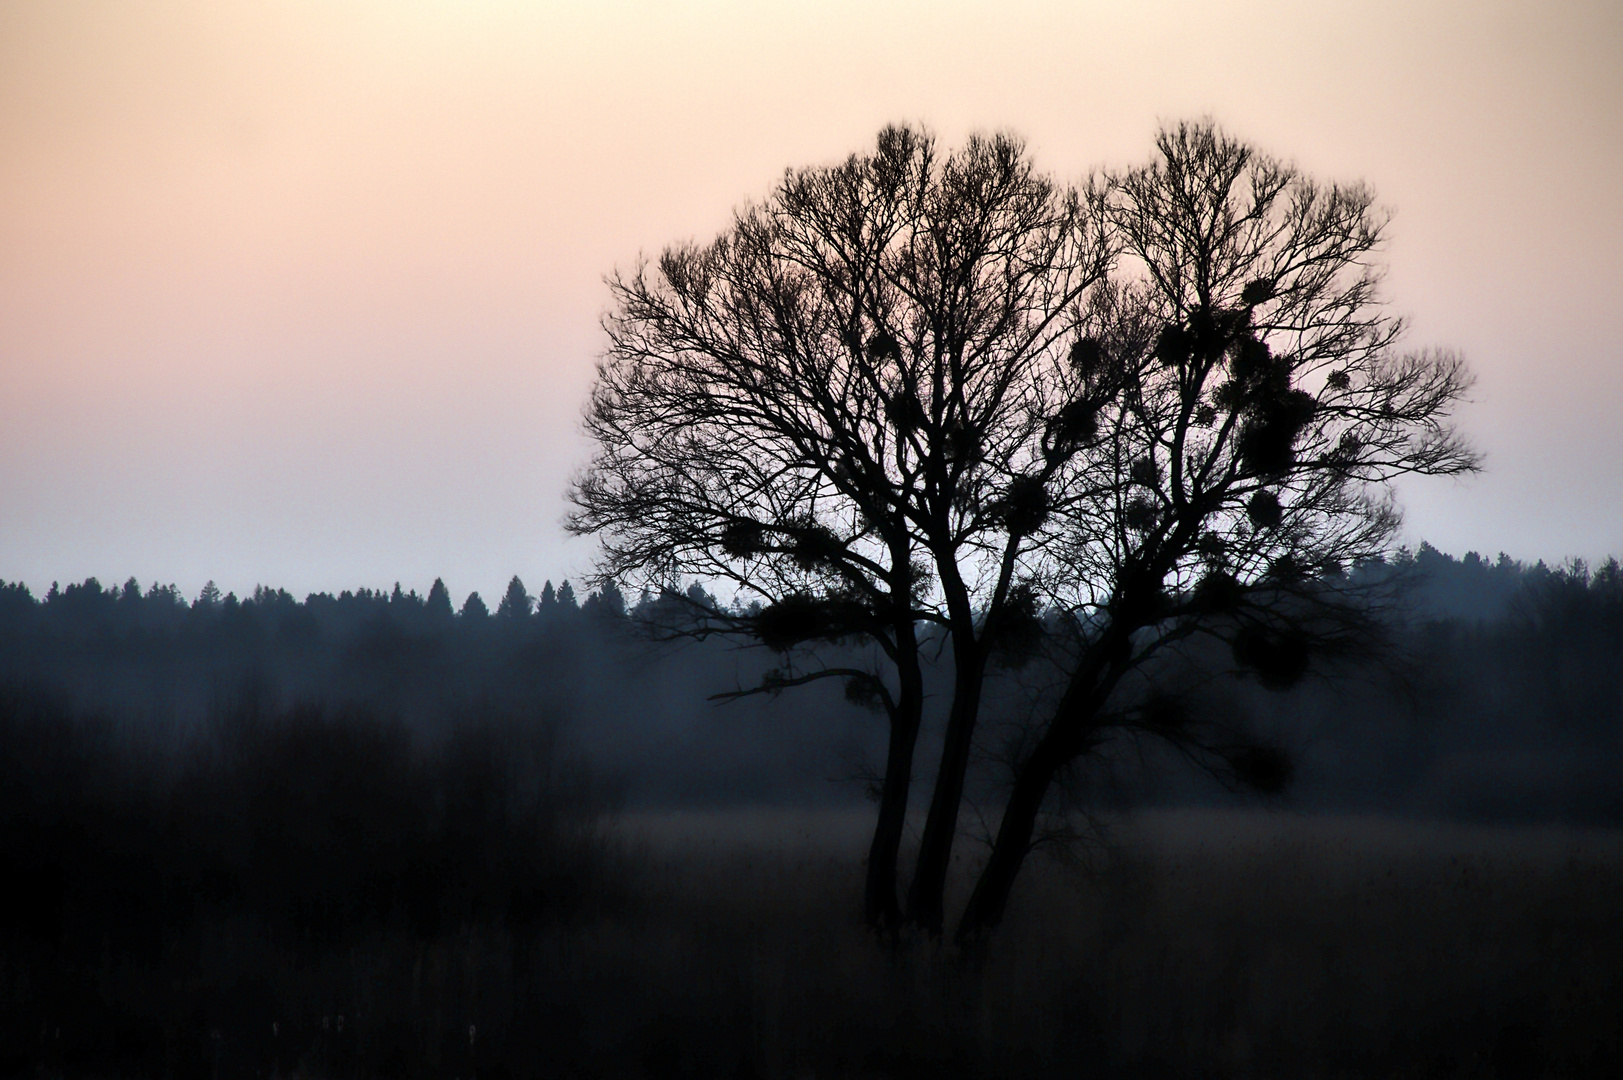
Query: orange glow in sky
306	294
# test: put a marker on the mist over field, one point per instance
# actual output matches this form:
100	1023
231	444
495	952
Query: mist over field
524	842
1499	700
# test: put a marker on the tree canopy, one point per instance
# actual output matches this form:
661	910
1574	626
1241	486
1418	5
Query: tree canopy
1255	412
830	405
944	391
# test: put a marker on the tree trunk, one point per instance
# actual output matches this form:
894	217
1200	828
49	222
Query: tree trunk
1064	739
1013	843
926	898
881	909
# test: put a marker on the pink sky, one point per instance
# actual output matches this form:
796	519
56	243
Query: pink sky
306	294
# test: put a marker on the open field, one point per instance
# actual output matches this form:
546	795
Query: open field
1182	944
1190	943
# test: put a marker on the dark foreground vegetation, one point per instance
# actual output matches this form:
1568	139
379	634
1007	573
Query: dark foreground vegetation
221	903
726	943
354	837
1185	944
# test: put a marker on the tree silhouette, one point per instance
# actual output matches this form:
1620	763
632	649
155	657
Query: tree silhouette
474	609
827	407
608	601
438	605
1254	413
515	604
909	391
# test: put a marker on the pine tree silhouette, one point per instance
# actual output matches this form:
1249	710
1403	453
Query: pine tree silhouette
439	601
516	603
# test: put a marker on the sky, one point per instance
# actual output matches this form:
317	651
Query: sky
307	293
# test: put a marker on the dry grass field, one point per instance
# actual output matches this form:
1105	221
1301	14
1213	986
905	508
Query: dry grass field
1221	944
1182	944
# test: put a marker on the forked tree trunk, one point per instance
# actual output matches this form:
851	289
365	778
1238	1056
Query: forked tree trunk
881	909
926	898
1074	715
1013	843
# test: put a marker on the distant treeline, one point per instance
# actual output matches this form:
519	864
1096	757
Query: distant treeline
1475	588
91	611
1472	588
1501	696
151	653
1513	706
150	662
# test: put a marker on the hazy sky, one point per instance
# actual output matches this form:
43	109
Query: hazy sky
307	293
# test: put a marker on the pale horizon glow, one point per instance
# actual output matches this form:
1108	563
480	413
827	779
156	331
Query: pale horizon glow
307	295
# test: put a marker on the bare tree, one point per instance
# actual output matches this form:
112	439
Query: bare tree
902	394
1253	415
835	406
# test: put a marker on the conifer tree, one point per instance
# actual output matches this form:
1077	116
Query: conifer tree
515	604
439	602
